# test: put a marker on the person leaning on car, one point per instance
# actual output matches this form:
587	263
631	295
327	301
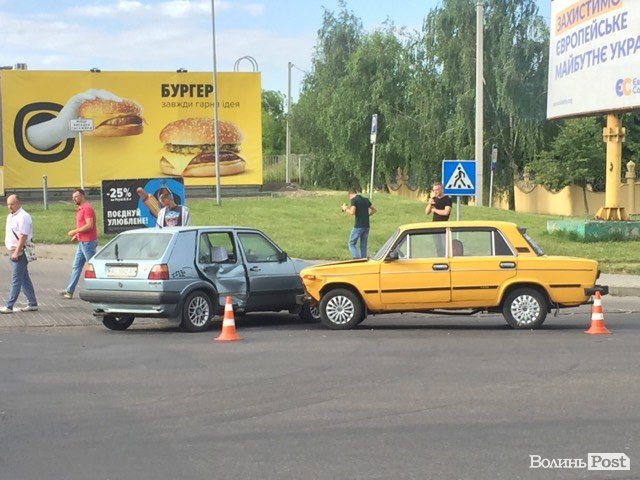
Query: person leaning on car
362	209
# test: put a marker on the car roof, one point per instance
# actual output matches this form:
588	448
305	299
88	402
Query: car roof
454	224
188	228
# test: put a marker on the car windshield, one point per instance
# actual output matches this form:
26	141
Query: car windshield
136	246
380	253
530	241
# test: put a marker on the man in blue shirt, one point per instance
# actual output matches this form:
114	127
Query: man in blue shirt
362	209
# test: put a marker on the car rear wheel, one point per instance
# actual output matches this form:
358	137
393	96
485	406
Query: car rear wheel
341	309
197	312
310	313
117	322
525	308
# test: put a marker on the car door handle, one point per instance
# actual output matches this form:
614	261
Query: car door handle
440	266
255	268
507	265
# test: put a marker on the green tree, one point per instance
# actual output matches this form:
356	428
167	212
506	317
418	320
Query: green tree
515	66
575	157
314	120
273	123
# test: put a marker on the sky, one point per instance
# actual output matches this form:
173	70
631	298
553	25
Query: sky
164	35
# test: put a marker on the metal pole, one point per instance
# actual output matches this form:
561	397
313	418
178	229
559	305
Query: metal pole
299	171
44	192
81	160
491	189
479	98
458	207
373	166
215	103
288	151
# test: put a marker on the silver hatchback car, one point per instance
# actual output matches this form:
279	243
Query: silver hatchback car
184	274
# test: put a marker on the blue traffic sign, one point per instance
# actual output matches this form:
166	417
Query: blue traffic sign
459	177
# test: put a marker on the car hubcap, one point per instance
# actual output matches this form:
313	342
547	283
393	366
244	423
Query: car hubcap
340	310
198	311
525	310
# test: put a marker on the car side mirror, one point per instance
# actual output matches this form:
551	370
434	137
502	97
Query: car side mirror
282	257
393	255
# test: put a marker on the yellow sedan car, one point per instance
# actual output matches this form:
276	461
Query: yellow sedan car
476	265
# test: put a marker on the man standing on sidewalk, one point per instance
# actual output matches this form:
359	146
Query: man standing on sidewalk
18	231
362	209
86	234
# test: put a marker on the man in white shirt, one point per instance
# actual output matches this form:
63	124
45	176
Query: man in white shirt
18	231
172	215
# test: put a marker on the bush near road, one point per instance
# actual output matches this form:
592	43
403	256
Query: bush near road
310	225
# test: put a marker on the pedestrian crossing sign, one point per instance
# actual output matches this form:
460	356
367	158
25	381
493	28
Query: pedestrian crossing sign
459	177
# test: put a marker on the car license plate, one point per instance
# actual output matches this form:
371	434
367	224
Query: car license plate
122	271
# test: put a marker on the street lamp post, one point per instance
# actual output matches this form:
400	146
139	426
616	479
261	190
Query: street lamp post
288	141
215	102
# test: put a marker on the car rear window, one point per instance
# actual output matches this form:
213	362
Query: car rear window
530	241
136	246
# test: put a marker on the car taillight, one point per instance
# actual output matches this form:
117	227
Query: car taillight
89	272
159	272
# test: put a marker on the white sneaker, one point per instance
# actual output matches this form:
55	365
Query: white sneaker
29	308
6	310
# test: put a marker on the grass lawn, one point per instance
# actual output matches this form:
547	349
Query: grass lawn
313	226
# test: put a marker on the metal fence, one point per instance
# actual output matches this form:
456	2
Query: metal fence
274	168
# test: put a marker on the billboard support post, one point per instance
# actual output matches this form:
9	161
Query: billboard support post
613	135
81	160
44	192
215	103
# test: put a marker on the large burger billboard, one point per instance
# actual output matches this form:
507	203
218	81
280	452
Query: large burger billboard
145	124
594	53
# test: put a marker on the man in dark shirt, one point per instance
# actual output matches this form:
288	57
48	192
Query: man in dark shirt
362	209
439	204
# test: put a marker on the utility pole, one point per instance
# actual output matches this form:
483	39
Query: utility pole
479	98
288	147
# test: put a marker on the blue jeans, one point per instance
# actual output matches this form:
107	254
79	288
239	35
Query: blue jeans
20	279
84	252
363	235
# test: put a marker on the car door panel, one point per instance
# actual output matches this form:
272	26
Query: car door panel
273	278
415	283
227	275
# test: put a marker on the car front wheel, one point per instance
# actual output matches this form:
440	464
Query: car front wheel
197	312
341	309
525	308
117	322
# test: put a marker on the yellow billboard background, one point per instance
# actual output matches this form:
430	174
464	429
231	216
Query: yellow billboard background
31	96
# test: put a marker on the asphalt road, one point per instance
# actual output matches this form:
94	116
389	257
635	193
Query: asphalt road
401	397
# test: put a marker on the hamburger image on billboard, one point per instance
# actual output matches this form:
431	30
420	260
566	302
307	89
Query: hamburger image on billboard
112	118
189	148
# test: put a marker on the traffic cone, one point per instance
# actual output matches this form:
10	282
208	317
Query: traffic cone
228	333
597	318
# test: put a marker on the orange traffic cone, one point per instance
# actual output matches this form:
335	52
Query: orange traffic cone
228	333
597	318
